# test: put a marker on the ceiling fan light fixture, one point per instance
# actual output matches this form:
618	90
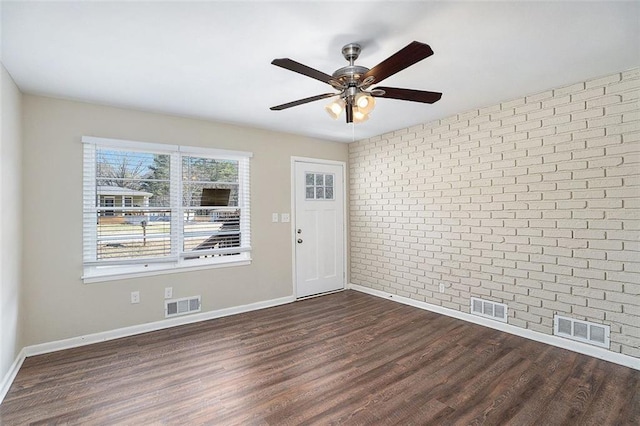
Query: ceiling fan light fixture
365	102
334	109
359	116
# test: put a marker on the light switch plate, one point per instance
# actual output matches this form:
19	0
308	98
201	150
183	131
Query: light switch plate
285	217
274	217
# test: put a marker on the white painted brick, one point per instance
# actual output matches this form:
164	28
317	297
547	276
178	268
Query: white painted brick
633	126
604	101
556	120
567	299
631	116
588	313
622	108
544	131
571	127
631	95
588	134
556	139
539	96
512	104
514	120
539	207
503	130
540	113
587	94
572	165
631	74
624	86
604	121
502	114
489	125
529	125
603	81
589	113
570	108
555	101
573	88
605	141
528	108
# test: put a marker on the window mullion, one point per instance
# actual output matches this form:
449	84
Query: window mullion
177	214
244	203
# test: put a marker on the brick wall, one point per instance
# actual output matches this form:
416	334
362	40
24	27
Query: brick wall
534	202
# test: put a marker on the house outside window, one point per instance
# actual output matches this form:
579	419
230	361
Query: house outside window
152	208
107	201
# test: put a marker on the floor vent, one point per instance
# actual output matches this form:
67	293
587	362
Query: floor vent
582	331
186	305
488	309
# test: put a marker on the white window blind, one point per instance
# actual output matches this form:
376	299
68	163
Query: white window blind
150	206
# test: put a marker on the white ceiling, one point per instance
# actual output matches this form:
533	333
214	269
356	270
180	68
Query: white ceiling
211	60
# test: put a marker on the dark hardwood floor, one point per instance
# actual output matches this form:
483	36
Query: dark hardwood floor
346	358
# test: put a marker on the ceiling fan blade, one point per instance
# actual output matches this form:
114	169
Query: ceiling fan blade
302	101
294	66
404	58
407	94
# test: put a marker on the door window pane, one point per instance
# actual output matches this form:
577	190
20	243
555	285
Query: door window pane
310	193
328	193
319	186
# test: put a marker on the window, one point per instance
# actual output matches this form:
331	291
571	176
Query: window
106	201
127	202
319	186
151	207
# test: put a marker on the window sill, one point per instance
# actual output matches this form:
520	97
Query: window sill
140	272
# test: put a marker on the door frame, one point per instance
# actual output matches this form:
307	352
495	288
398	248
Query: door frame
343	165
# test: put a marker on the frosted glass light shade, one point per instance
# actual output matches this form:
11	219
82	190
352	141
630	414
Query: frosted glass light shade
365	102
359	116
334	109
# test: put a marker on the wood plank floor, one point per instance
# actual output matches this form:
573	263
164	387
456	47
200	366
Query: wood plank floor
346	358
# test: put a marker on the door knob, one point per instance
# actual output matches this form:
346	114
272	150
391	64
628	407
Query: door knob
299	240
299	231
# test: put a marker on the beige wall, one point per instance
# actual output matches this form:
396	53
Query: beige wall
534	202
59	304
10	215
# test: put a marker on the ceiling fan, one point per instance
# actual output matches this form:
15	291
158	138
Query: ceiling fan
353	82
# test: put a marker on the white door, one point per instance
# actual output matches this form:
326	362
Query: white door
319	241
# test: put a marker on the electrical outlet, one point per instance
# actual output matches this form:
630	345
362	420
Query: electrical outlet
285	217
168	292
274	217
135	297
441	288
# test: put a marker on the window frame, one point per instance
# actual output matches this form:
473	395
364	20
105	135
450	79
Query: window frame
96	271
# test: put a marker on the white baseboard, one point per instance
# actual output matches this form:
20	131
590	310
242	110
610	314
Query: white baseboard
88	339
596	352
8	378
152	326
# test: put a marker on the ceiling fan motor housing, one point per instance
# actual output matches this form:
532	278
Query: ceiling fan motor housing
351	74
351	52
